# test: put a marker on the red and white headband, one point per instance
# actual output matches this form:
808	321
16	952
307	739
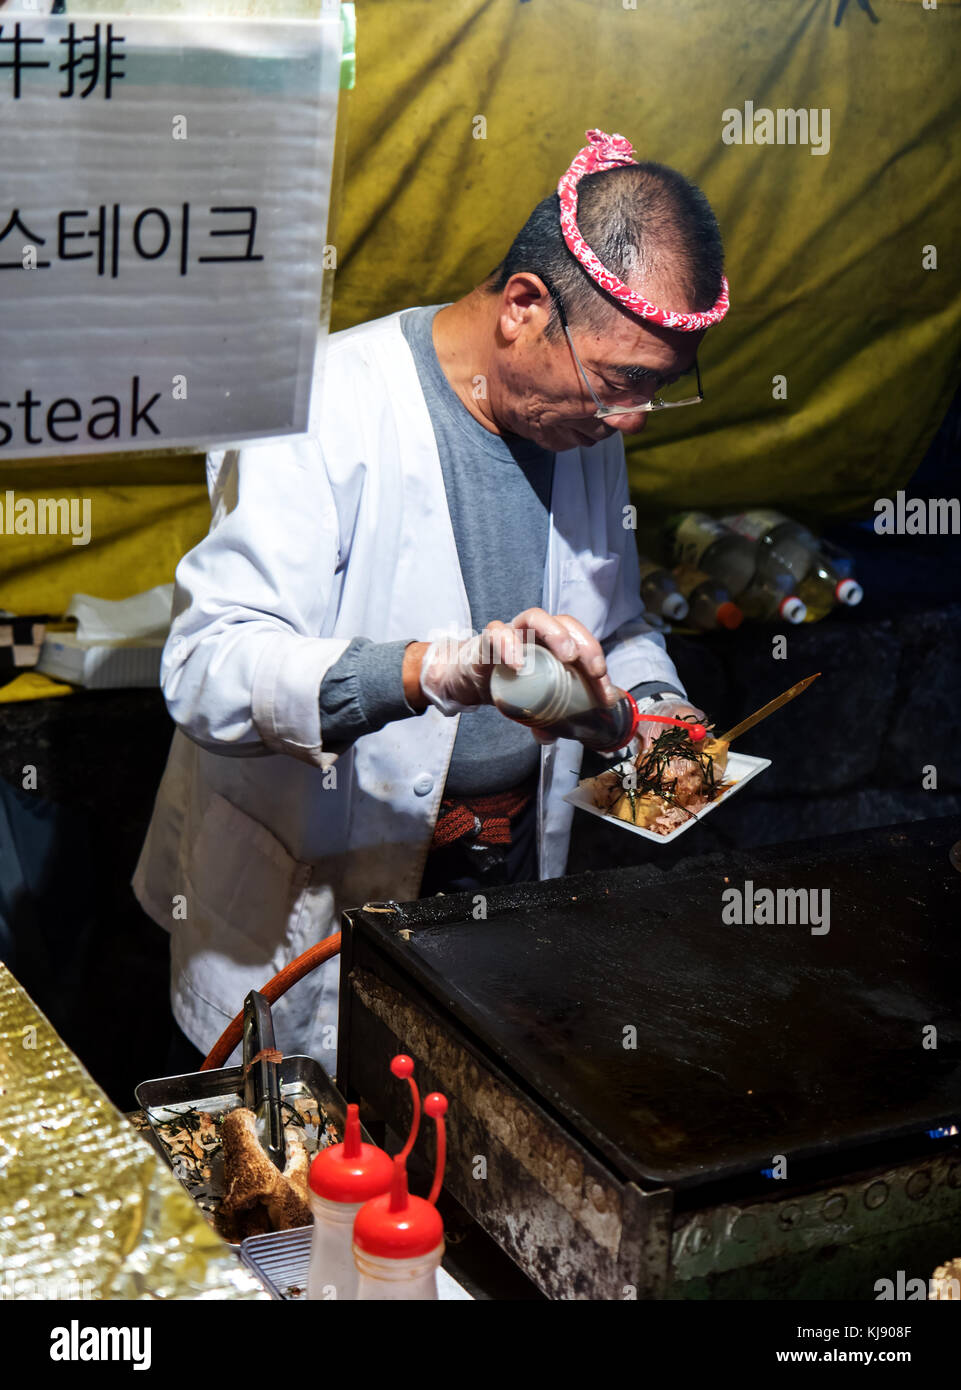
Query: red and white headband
610	152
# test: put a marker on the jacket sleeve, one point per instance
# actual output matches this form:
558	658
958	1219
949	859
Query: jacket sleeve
363	691
243	664
636	652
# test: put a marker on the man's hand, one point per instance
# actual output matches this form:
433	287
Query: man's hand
571	643
455	676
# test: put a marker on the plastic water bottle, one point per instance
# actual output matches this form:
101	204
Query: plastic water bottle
660	592
830	580
822	579
765	599
823	588
731	559
709	603
546	694
398	1238
792	546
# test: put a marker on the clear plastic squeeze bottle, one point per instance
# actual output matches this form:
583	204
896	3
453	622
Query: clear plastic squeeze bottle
548	695
399	1238
341	1179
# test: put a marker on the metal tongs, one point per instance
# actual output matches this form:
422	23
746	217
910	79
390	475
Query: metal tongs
261	1075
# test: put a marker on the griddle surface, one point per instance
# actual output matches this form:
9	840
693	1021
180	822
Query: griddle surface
752	1040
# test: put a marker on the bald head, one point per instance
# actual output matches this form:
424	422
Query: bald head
647	223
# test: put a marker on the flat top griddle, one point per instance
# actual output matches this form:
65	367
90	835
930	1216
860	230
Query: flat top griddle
752	1040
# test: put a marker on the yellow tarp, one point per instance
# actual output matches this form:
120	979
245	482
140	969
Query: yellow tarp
32	685
825	252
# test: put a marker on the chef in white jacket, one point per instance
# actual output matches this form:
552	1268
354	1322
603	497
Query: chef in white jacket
462	482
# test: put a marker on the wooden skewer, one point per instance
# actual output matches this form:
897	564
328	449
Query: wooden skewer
769	708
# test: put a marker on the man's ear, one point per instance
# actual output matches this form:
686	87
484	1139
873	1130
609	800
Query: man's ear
525	304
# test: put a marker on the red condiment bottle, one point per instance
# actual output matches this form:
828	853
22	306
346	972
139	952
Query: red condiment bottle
342	1178
399	1238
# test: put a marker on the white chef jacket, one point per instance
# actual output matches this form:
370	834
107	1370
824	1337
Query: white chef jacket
259	837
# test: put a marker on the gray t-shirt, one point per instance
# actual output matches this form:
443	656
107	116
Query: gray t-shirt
498	492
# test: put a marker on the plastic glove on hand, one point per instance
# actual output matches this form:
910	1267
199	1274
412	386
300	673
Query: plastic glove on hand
455	675
648	730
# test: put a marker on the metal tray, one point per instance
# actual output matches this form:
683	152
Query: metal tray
281	1261
305	1088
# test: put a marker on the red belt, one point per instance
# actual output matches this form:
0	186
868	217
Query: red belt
460	815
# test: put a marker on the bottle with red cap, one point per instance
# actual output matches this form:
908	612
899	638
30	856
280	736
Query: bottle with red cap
823	572
754	576
399	1238
341	1179
555	697
660	592
709	603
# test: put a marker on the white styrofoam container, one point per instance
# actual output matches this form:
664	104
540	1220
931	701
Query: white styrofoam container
740	766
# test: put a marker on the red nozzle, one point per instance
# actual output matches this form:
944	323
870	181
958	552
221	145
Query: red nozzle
436	1107
403	1066
697	731
398	1186
351	1171
352	1133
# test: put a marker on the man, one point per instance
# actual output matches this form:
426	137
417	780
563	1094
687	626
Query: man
329	661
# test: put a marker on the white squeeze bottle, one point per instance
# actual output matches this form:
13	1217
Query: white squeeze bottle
399	1238
554	697
341	1179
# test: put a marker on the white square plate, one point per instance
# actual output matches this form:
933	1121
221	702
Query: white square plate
740	766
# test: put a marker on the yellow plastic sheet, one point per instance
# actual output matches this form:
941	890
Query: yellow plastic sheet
825	253
32	685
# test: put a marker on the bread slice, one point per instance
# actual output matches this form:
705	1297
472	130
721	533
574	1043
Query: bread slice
257	1196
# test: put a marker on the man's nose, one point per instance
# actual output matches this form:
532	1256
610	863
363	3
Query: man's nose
629	424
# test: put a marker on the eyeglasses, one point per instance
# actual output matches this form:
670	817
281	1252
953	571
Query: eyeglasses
655	402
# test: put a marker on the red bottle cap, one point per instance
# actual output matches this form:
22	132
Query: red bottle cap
729	615
793	609
849	591
351	1171
396	1225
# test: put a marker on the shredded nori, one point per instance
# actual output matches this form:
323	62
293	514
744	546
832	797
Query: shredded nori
650	772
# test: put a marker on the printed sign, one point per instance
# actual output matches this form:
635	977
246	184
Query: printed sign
164	189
